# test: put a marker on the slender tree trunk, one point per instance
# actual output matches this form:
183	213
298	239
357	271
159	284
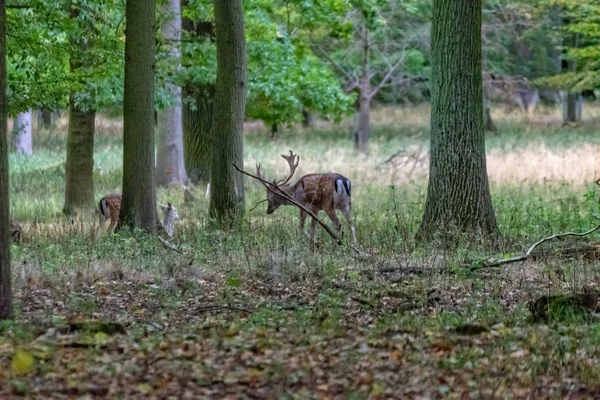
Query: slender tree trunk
46	118
169	159
308	118
22	133
138	206
5	269
364	112
573	106
79	180
197	127
227	186
458	194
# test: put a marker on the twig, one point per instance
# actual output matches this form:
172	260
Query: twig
275	189
218	307
527	255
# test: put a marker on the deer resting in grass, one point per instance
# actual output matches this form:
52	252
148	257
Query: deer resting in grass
316	192
109	207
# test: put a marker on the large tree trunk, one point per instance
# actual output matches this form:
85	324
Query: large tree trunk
198	107
458	194
22	133
79	181
227	186
572	113
364	113
169	159
5	270
197	128
138	205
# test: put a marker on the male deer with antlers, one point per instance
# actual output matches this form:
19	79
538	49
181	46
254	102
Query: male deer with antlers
316	192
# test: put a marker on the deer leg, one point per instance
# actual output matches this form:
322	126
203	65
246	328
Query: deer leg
113	224
303	223
334	218
313	227
348	215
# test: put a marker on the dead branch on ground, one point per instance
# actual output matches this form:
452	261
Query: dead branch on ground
528	255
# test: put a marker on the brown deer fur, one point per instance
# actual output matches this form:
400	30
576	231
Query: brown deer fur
327	192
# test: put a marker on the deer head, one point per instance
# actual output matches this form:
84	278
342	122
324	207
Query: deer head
275	200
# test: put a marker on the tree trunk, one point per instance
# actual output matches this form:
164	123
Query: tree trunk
138	205
197	127
364	113
22	133
458	194
308	118
227	186
169	159
5	270
79	180
572	113
274	131
46	118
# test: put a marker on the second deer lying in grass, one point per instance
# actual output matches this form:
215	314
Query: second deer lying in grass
109	207
316	192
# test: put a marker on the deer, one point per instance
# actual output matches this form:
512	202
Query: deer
328	192
109	207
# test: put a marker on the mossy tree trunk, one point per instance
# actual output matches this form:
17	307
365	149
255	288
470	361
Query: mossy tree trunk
458	193
197	128
138	206
197	110
79	179
169	158
5	269
227	200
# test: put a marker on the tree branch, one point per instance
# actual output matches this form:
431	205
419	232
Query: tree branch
275	189
527	255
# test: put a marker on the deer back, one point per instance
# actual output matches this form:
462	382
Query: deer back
110	206
322	191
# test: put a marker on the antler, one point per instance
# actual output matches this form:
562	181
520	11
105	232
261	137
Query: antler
293	161
260	176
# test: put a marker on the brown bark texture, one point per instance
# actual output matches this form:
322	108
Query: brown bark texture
227	200
5	269
138	205
458	193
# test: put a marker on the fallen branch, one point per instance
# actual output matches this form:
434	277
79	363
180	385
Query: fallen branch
219	307
277	190
169	245
527	255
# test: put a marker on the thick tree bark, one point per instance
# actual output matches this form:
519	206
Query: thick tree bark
364	113
458	194
169	158
197	127
198	116
138	206
227	186
5	270
22	133
79	180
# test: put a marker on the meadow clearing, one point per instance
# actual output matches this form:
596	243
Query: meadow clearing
252	313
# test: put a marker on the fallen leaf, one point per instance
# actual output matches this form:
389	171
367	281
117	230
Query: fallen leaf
22	363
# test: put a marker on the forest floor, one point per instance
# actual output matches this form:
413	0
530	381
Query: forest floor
252	313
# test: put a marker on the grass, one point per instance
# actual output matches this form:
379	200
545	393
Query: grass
253	313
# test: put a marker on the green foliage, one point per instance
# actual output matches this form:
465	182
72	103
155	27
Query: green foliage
582	44
283	75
